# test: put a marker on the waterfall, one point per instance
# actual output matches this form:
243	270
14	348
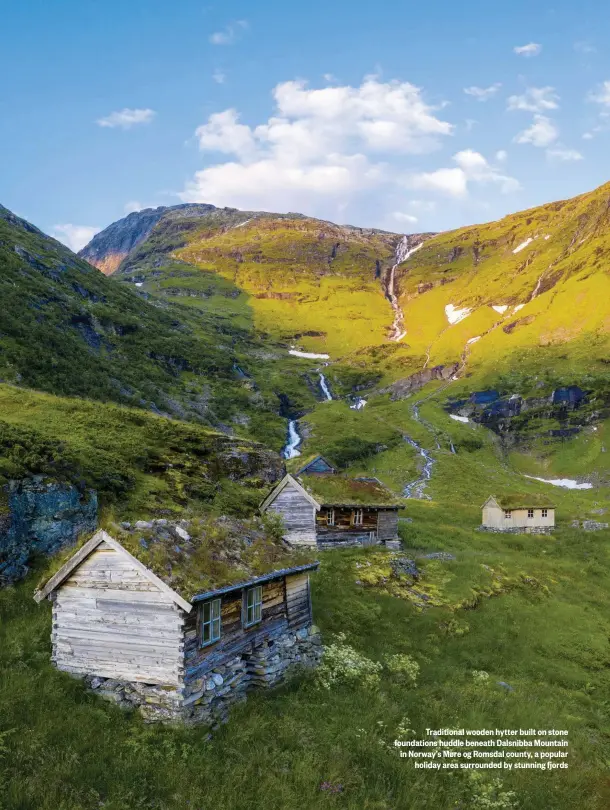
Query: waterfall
358	404
416	488
294	440
402	253
324	387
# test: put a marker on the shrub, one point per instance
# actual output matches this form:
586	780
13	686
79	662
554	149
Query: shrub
343	664
488	794
403	668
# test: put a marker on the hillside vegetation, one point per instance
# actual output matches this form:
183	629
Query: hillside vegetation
140	464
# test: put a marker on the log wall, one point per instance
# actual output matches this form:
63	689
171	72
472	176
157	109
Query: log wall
298	514
234	639
110	620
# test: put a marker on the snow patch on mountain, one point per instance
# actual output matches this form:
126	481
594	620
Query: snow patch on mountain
520	247
456	315
566	483
308	355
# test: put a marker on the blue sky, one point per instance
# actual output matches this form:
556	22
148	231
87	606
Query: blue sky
405	116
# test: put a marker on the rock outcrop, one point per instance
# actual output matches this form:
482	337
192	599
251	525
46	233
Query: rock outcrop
108	248
402	388
38	517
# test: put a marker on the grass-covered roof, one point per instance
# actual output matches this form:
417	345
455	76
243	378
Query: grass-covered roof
341	490
218	552
518	501
295	465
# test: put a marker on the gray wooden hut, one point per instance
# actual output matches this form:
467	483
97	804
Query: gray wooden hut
174	653
333	510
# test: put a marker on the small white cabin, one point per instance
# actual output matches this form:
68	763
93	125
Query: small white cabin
518	514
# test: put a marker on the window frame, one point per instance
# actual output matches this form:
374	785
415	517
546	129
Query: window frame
330	516
530	514
360	514
507	514
544	513
213	623
257	615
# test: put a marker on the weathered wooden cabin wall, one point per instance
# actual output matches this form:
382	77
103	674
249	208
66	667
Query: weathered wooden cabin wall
110	620
298	601
344	519
234	638
298	514
387	524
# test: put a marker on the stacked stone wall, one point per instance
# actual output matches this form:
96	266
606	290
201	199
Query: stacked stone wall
207	699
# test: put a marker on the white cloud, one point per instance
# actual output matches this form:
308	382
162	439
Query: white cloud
535	99
501	155
219	77
329	77
452	182
472	167
601	95
585	48
229	34
531	49
75	236
483	93
400	216
424	206
126	118
563	155
541	133
320	145
133	205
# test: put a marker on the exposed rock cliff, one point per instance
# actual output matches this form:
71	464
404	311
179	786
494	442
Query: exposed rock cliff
38	517
108	248
402	388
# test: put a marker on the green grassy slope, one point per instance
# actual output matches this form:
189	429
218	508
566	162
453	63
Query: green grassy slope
140	464
546	266
67	329
529	612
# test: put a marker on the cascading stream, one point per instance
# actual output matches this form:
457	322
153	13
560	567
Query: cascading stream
294	440
402	253
324	387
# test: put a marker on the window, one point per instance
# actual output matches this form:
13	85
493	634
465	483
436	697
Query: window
507	514
545	513
210	622
253	606
330	517
530	513
357	517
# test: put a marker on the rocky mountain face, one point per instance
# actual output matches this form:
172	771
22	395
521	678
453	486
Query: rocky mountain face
39	517
108	248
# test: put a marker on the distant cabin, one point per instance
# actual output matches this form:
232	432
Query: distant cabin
314	465
143	644
516	514
330	510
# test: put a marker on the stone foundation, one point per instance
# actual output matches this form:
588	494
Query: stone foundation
589	525
517	529
208	699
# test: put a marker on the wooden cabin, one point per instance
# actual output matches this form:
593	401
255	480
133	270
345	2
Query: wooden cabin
314	465
331	510
175	655
518	514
